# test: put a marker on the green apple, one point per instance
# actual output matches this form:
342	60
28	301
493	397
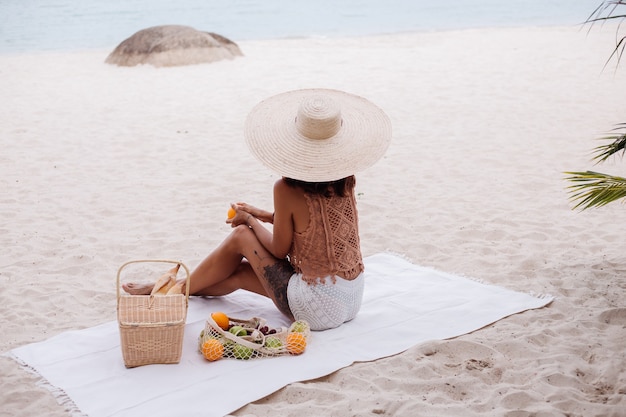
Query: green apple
273	343
242	352
238	331
200	340
299	326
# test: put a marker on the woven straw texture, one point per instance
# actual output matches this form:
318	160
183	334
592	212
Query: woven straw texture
151	327
317	135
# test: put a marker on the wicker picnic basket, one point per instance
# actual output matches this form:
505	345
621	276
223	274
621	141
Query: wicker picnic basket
151	327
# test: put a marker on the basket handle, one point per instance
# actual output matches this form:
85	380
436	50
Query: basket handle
169	261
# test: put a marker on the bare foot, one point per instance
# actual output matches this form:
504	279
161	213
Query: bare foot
138	288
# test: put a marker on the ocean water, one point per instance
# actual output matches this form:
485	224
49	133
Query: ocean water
44	25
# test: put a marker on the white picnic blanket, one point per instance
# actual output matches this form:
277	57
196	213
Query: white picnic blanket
404	305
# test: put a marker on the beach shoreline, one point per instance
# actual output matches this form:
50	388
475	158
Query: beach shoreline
69	24
103	164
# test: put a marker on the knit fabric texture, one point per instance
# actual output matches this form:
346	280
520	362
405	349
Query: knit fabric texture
325	305
330	245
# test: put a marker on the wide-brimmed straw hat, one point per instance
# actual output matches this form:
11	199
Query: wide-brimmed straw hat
317	135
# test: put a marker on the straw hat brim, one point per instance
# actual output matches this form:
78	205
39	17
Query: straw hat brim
273	138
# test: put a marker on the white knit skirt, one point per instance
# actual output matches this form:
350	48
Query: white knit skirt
328	305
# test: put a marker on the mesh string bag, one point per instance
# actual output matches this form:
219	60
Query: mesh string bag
252	339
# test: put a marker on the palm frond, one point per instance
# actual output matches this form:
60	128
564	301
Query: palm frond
618	52
605	12
618	143
594	189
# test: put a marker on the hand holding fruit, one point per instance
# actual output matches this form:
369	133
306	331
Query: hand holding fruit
236	215
262	215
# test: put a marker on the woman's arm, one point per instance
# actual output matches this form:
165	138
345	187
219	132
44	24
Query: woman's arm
263	215
282	236
278	242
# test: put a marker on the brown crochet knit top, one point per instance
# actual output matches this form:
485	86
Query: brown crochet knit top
330	245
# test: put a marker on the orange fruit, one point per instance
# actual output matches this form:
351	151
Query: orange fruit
231	213
296	343
221	319
212	349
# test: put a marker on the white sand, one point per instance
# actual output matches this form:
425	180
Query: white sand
101	164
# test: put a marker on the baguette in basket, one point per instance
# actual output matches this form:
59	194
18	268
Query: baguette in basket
166	284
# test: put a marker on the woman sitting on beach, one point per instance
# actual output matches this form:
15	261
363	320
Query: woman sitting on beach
310	264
